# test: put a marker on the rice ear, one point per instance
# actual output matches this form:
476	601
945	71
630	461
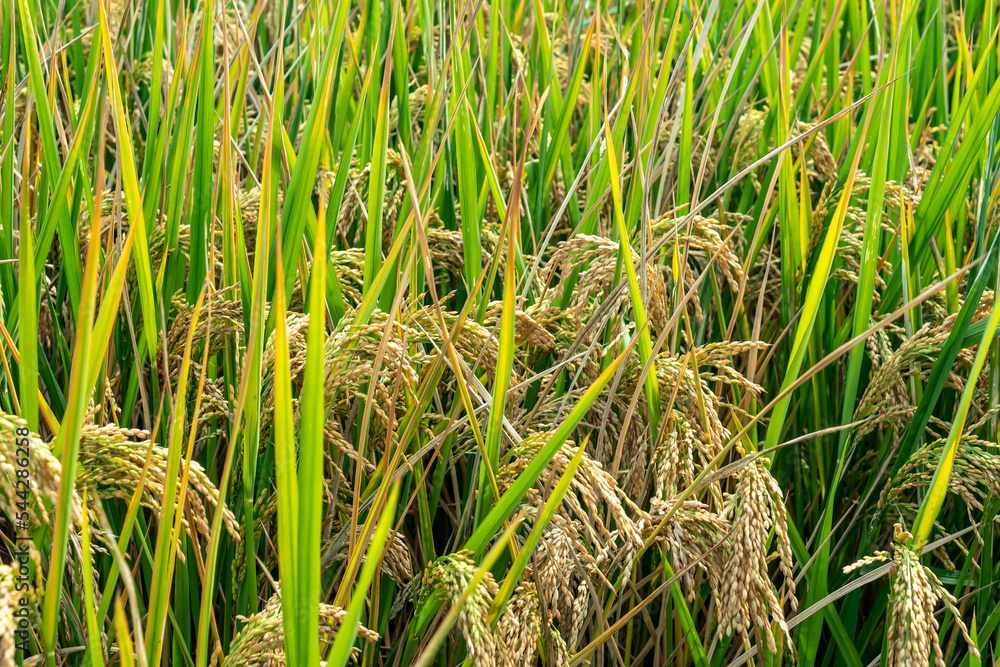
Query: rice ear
912	634
748	596
449	576
261	641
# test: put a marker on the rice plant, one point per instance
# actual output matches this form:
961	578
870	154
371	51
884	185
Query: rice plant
413	333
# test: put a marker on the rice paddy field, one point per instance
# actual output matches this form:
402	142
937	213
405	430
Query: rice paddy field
412	333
